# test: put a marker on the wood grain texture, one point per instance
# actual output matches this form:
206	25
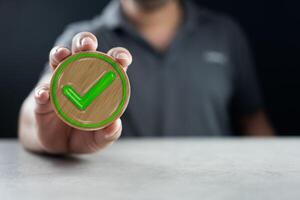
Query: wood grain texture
83	74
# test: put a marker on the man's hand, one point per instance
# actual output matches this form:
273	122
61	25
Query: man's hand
41	130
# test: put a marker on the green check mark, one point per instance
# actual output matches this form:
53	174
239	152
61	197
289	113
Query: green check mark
82	102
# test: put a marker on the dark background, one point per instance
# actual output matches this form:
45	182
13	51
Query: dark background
29	28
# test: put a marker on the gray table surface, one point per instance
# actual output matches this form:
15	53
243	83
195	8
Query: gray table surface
157	169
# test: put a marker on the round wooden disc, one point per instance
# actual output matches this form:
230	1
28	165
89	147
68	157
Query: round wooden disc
89	90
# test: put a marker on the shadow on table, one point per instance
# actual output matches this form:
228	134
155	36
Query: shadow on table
60	160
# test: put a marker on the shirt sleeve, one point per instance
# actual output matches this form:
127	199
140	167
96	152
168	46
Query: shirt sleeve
247	98
64	40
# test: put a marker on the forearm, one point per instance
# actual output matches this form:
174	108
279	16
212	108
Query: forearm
257	125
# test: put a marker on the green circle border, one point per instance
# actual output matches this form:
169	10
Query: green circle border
58	74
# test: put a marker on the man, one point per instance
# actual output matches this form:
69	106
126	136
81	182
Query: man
190	66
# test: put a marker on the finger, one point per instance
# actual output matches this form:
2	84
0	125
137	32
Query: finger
112	132
57	55
122	55
108	135
42	99
89	142
84	41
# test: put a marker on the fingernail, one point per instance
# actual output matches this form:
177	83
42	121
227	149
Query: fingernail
57	49
38	93
122	56
86	41
41	92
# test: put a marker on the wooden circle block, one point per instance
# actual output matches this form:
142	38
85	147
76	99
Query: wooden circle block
89	90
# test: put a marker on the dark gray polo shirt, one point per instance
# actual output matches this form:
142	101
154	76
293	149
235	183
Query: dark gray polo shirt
187	90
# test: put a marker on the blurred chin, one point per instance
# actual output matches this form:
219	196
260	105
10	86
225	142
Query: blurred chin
151	4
